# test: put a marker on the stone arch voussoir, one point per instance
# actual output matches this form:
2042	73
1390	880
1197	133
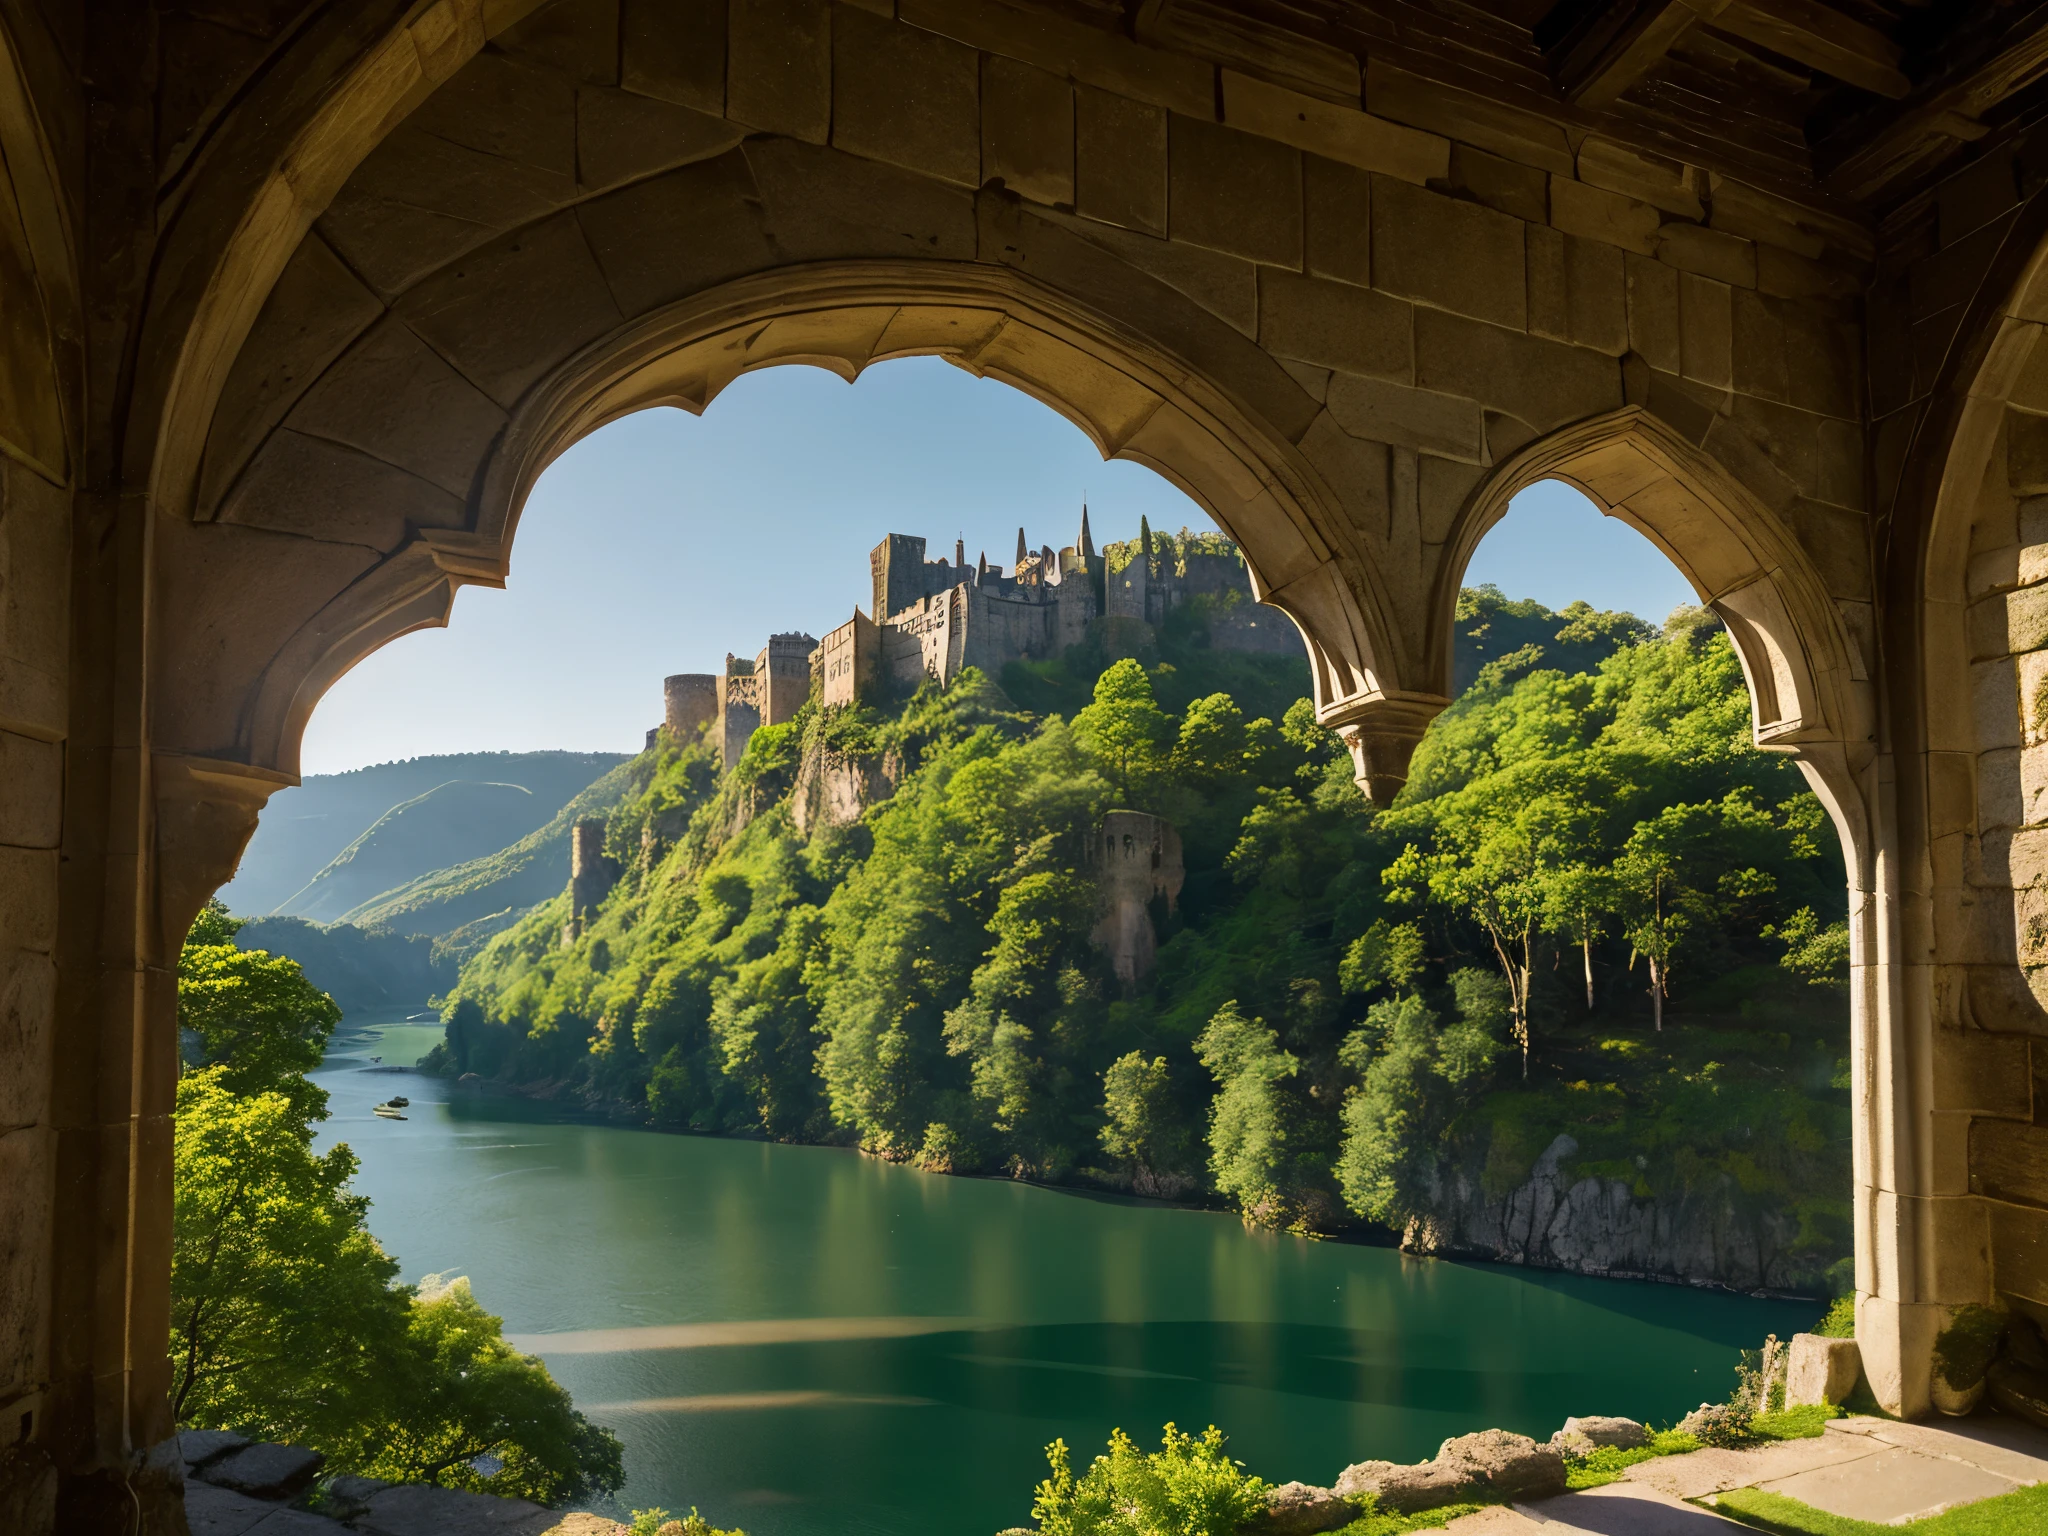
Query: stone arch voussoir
1132	398
1810	690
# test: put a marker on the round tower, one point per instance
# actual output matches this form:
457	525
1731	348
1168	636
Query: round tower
689	702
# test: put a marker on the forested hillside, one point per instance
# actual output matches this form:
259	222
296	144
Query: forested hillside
309	824
1595	913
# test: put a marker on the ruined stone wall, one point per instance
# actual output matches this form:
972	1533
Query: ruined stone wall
1137	863
1002	629
782	676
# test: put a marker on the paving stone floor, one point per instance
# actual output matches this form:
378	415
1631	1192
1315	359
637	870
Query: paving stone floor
1865	1469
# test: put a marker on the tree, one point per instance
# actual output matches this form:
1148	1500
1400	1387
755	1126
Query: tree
1251	1119
1417	1072
469	1399
1142	1125
1124	728
285	1323
253	1014
281	1301
1578	900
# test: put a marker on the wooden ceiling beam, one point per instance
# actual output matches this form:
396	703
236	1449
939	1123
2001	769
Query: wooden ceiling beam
1821	37
1620	42
1944	114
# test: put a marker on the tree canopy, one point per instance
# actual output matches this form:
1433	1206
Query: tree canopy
1595	908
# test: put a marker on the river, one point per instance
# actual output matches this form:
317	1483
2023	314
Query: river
803	1341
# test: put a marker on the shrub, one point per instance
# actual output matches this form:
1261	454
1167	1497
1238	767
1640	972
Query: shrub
1840	1322
1187	1487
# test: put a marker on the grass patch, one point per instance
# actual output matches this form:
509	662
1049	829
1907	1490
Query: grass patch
1598	1468
1806	1422
1396	1525
2022	1513
1607	1464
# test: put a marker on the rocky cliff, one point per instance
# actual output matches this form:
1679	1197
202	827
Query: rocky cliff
832	790
1592	1226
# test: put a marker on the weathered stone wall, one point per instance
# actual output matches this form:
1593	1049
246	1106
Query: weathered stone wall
689	703
1137	863
325	289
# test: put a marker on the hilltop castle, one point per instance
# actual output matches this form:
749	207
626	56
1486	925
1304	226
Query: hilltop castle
934	618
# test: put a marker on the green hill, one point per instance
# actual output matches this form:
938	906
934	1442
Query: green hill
306	827
1595	927
479	895
449	824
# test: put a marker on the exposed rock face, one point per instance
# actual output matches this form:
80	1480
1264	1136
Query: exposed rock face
1492	1464
1596	1433
1296	1509
1555	1220
1822	1370
833	791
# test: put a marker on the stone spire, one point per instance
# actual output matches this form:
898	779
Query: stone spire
1023	550
1086	547
981	569
960	554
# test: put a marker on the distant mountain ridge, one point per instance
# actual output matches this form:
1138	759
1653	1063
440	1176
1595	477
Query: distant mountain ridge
467	902
449	824
305	828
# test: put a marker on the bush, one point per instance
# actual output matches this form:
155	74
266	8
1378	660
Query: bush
1187	1487
1840	1322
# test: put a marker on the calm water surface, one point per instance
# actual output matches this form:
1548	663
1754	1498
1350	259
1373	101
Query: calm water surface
803	1341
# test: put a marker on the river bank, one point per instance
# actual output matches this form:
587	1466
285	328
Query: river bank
803	1341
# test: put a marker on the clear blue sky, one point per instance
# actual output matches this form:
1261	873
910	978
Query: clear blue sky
663	541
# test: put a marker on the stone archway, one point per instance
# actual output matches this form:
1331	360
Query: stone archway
1130	400
344	308
1813	697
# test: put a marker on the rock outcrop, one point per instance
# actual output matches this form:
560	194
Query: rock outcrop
1580	1436
1491	1466
1591	1226
1296	1509
833	791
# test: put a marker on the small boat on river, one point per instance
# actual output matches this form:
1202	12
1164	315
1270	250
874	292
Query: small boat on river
386	1112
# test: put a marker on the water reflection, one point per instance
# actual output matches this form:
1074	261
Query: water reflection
805	1341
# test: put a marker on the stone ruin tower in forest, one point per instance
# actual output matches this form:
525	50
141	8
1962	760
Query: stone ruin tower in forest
1136	860
592	874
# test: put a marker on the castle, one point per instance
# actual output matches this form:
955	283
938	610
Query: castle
935	618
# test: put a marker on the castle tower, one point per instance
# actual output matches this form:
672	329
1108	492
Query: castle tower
959	558
591	875
783	676
1086	546
1023	550
689	703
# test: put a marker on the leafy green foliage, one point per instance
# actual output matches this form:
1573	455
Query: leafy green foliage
1348	1005
1188	1487
285	1321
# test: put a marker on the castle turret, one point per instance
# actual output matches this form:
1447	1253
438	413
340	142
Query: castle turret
1023	550
959	555
1086	547
689	703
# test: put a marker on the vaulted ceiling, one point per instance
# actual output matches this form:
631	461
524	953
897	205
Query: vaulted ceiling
1855	104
